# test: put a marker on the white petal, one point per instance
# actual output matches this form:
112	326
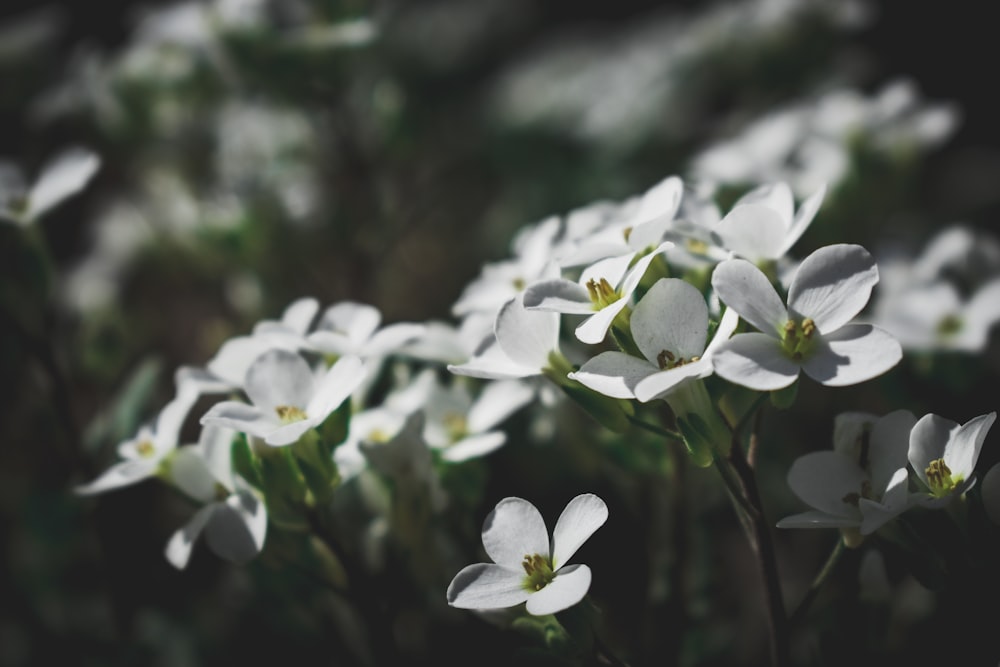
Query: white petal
487	586
216	447
889	443
755	360
279	378
612	269
66	175
492	364
331	342
181	543
513	530
235	356
199	381
389	339
658	203
991	493
358	320
662	383
287	434
189	473
816	519
299	315
569	586
777	196
237	529
613	374
832	285
526	336
727	325
962	450
241	417
823	479
635	274
560	296
852	354
333	389
171	419
593	329
745	289
807	211
671	316
474	446
754	231
120	474
583	515
928	439
496	402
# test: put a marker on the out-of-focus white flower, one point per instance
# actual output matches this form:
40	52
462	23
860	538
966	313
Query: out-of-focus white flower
234	520
144	455
526	566
523	343
60	178
288	397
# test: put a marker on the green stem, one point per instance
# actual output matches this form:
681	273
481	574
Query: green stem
817	584
658	430
763	548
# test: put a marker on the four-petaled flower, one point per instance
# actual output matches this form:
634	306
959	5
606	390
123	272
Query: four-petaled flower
812	334
943	453
526	567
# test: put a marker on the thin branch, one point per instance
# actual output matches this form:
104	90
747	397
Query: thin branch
821	577
658	430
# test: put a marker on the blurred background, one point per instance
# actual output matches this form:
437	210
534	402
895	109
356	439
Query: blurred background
256	151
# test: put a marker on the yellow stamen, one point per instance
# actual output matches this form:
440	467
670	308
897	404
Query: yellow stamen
289	413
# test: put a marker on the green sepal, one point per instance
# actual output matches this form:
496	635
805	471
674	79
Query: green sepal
244	463
697	439
784	398
333	430
612	413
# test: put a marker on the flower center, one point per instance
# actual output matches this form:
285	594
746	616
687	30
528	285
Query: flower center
519	284
456	426
539	572
797	337
940	479
667	360
145	449
853	498
696	246
602	294
949	326
289	414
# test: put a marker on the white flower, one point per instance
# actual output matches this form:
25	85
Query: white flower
501	281
669	326
231	362
288	397
763	224
812	334
61	178
144	454
461	428
350	328
526	566
234	520
862	483
603	291
522	343
943	453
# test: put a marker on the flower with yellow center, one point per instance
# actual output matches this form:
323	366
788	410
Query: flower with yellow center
813	332
288	397
144	455
603	292
525	568
943	453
